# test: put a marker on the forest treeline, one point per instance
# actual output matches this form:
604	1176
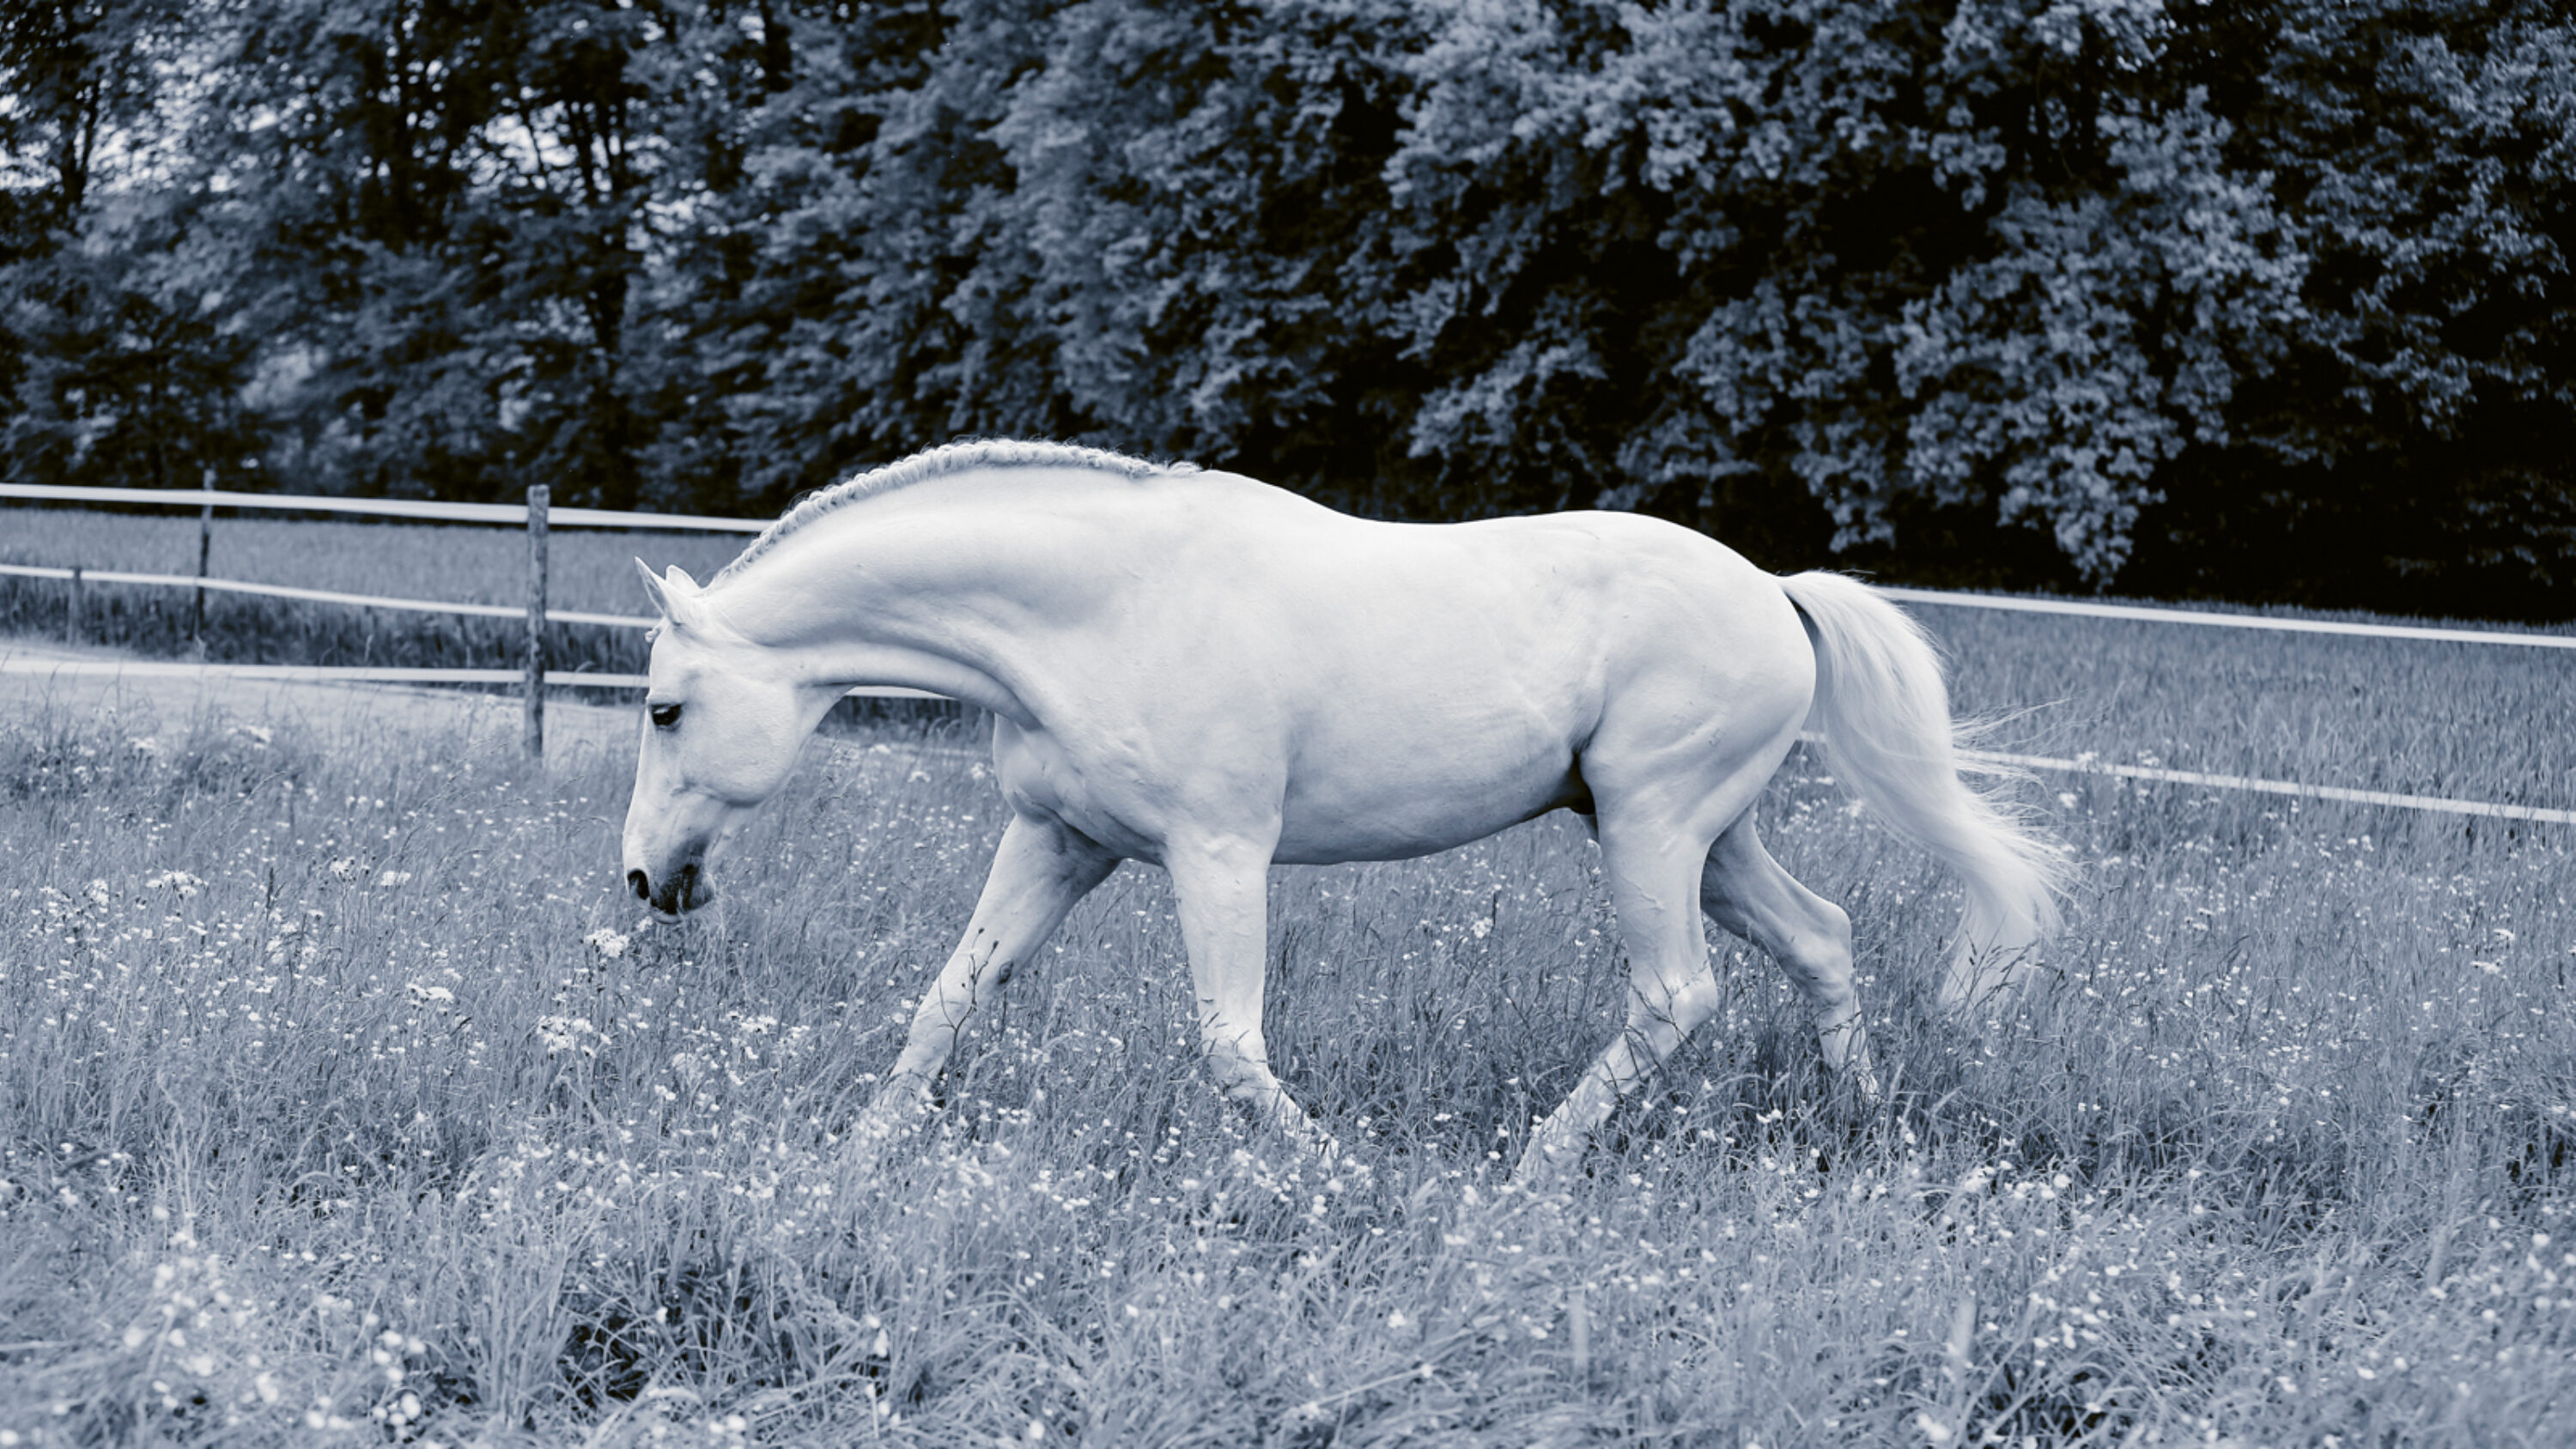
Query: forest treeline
2264	300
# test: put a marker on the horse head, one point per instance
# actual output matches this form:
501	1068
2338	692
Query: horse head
724	721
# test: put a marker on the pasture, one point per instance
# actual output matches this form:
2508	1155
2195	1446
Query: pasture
345	1099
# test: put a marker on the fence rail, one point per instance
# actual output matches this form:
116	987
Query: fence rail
508	514
2437	803
513	514
2147	614
536	517
568	679
325	596
45	666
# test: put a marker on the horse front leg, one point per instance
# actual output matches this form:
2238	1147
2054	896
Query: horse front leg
1041	869
1224	890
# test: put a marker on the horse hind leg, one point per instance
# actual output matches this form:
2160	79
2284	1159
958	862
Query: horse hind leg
1650	865
1746	891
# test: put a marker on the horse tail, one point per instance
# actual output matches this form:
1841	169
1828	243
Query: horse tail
1883	708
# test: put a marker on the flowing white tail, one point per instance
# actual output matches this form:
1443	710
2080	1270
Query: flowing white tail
1884	711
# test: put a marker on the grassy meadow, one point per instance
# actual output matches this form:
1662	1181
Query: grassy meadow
344	1098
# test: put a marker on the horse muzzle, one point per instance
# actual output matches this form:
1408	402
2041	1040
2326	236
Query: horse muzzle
682	891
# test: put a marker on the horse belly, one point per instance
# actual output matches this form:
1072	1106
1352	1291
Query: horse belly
1449	704
1389	797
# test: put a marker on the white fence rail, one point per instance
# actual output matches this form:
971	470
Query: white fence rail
2146	614
44	667
508	514
537	517
321	596
513	514
2436	803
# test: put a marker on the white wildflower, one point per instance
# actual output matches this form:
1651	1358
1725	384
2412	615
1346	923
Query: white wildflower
564	1034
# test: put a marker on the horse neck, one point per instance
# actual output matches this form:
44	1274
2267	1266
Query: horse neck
878	594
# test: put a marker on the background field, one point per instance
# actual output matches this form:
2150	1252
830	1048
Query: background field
346	1097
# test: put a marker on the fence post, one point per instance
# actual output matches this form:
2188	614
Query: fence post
205	543
73	621
535	733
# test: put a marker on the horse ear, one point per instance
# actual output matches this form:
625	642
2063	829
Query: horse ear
675	598
653	589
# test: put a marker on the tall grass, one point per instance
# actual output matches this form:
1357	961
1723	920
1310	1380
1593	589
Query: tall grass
345	1096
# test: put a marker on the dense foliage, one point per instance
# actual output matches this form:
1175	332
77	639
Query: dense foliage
2266	300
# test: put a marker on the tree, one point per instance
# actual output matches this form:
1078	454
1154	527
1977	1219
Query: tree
2130	293
449	208
114	365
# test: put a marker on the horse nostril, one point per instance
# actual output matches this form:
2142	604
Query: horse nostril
643	887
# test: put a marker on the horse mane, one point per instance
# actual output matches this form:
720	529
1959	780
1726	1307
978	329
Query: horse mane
941	462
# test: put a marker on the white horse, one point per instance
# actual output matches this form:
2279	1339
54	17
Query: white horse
1212	674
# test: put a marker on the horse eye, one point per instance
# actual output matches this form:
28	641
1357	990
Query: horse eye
665	716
